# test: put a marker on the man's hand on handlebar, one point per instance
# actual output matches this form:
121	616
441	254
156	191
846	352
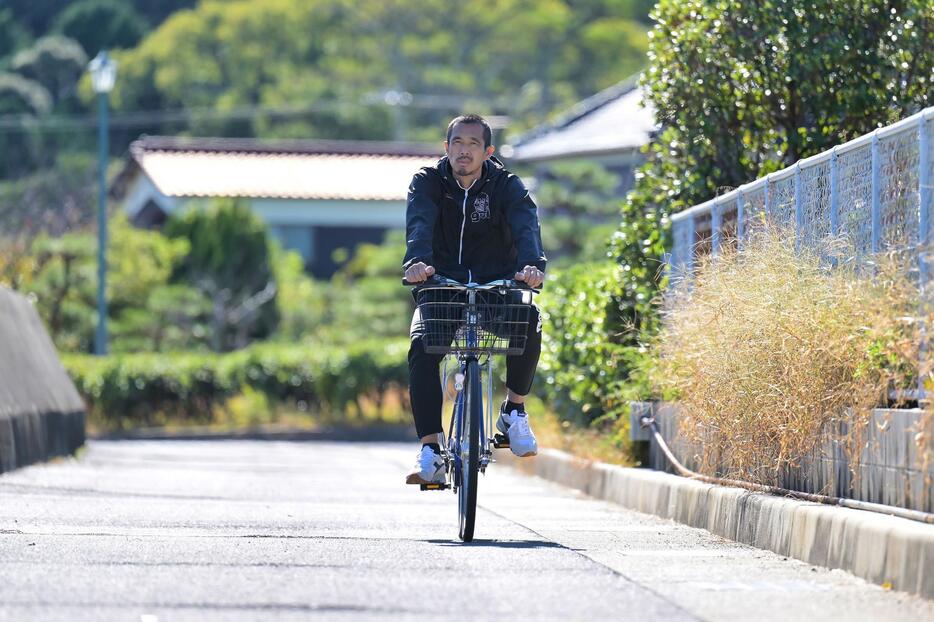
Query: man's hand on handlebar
418	272
530	275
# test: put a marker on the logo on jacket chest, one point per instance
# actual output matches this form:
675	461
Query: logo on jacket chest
481	208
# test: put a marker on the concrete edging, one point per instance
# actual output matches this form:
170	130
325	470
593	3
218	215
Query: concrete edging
41	413
879	548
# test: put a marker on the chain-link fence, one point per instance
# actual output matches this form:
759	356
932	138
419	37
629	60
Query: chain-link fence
875	191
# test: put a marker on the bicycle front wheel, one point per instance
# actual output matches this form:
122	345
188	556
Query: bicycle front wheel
469	447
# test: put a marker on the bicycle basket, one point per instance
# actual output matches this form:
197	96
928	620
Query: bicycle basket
502	327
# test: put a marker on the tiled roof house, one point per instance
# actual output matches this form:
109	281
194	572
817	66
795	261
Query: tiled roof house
316	196
610	128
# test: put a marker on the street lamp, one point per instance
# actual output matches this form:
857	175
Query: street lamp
103	74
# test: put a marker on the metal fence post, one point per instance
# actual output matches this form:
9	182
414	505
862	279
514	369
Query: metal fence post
740	219
676	248
876	216
768	196
834	201
924	184
799	207
924	240
716	221
692	241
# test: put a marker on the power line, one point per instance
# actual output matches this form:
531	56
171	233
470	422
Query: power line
144	118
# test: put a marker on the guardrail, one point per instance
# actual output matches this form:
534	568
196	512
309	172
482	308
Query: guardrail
875	190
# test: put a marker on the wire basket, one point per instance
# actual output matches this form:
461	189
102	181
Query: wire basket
442	320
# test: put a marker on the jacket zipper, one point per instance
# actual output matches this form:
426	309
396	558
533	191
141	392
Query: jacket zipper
460	253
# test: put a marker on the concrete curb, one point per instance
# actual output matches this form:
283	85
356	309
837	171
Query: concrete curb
883	549
41	413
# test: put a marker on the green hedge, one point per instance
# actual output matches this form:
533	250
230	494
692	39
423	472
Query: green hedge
590	366
123	390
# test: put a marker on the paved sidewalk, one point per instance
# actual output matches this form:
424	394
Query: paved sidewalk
245	530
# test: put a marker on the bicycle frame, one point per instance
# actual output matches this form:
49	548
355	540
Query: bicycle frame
455	428
471	326
472	350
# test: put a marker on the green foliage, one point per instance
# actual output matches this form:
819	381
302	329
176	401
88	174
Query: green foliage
301	299
149	312
578	202
36	15
52	201
744	88
170	317
45	81
101	25
21	152
591	366
143	389
12	36
145	310
19	95
229	261
365	299
55	62
156	11
639	246
63	282
339	57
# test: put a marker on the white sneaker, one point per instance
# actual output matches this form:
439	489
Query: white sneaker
515	425
429	468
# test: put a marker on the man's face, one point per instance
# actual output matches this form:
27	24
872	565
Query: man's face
465	149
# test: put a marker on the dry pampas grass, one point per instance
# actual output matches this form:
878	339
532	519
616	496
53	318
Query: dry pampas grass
767	347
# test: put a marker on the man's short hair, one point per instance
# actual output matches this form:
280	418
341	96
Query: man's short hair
475	119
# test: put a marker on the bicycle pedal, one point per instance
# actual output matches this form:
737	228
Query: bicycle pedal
434	486
500	441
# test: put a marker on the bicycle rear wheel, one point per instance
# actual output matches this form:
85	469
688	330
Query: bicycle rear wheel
469	448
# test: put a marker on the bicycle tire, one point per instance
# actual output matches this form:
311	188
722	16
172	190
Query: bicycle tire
470	452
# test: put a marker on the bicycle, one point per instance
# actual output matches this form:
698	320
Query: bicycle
471	322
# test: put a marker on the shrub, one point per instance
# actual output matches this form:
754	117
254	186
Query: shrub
126	390
590	365
230	261
768	347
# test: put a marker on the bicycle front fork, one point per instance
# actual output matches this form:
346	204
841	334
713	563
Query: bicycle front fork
487	431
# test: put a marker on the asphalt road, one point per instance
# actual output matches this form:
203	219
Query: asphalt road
258	530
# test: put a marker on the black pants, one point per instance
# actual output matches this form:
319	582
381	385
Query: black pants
425	382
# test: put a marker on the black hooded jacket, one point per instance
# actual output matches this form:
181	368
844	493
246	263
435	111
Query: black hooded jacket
487	232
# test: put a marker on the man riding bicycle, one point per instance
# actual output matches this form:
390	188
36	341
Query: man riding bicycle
470	219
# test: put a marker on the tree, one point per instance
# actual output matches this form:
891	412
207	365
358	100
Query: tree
55	62
62	281
149	312
51	201
340	58
230	262
12	36
156	11
744	88
19	95
36	15
578	203
145	310
101	25
20	151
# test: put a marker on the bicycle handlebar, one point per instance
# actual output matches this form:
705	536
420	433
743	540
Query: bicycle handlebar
442	281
